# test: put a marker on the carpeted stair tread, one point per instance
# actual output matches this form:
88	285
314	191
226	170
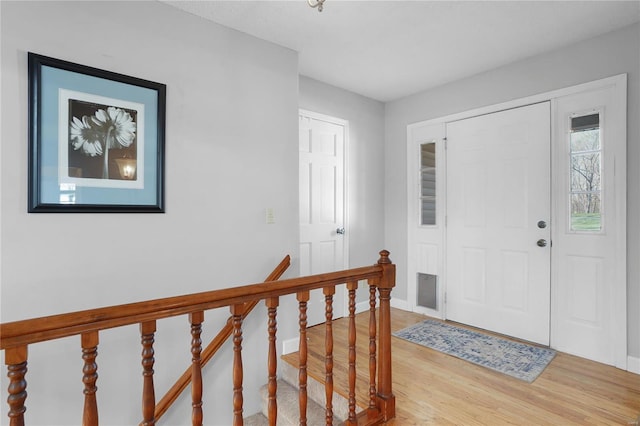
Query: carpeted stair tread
316	391
256	420
288	408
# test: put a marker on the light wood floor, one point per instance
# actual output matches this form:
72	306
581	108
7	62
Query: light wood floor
432	388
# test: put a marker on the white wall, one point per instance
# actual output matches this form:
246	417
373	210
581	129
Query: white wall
611	54
232	105
231	151
365	181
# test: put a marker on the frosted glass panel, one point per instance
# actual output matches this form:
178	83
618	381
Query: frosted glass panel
428	183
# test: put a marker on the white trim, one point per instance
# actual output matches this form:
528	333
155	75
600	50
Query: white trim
362	306
633	364
619	83
291	345
1	239
400	304
620	173
533	99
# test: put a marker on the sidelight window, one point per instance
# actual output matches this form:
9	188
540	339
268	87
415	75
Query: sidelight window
585	147
428	183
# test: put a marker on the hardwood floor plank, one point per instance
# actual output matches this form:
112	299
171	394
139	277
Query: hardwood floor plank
433	388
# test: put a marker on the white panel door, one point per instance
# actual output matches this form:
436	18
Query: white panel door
322	210
426	232
498	190
589	309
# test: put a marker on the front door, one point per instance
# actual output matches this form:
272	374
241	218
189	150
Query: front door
322	211
498	222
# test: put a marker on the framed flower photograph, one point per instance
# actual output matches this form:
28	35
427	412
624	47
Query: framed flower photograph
96	140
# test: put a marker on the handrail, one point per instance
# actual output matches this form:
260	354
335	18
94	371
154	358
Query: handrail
16	336
223	335
24	332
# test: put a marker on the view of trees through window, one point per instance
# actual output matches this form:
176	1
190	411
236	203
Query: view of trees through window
585	153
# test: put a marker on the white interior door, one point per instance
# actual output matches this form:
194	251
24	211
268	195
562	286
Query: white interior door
498	196
322	208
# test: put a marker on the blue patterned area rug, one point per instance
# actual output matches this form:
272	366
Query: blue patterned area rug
519	360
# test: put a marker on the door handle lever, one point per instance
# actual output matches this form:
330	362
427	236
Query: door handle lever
340	231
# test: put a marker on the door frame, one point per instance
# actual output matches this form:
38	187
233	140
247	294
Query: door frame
426	130
345	190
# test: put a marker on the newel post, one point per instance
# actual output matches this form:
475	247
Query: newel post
385	398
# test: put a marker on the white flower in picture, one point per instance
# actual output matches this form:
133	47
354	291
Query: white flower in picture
108	128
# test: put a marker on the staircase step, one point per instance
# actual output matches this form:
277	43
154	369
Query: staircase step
256	420
316	391
288	408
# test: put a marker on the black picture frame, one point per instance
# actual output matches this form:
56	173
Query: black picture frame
96	140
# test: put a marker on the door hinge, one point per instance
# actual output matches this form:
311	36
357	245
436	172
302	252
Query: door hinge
445	143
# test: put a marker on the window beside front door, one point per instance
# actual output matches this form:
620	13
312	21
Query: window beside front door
585	149
428	183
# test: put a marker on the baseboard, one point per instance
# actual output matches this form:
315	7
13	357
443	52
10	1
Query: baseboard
395	303
400	304
633	364
290	345
362	307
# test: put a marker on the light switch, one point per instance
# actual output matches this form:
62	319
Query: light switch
270	216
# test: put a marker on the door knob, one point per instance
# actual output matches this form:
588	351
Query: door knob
541	242
340	231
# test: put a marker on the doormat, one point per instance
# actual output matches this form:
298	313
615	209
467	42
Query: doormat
519	360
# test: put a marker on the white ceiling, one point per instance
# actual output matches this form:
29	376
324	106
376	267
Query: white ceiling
390	49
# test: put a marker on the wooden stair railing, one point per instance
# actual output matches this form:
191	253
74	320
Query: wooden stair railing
15	337
181	384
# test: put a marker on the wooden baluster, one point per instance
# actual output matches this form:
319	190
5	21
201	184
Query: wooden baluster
372	343
147	331
328	363
209	352
89	343
237	311
272	363
196	319
386	399
16	361
352	287
303	298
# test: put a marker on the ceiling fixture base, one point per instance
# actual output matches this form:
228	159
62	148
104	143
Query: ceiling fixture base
316	3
